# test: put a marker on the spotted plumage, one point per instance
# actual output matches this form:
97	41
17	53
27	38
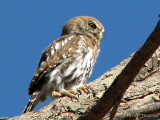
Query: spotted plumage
68	62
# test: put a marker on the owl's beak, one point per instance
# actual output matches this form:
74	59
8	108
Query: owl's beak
99	36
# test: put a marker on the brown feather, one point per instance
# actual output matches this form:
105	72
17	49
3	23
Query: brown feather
68	62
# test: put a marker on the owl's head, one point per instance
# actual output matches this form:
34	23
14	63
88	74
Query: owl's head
84	25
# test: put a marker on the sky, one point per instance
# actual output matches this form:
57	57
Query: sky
28	27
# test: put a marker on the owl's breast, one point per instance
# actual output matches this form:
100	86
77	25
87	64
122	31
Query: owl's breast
81	70
74	71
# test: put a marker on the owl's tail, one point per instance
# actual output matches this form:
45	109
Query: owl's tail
33	101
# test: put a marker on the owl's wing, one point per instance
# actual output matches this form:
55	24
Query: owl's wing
58	52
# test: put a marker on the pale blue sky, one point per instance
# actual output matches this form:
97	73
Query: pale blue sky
28	27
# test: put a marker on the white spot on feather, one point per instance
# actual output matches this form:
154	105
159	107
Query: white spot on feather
87	58
63	43
52	52
69	49
78	51
66	40
36	75
64	56
69	38
82	37
57	46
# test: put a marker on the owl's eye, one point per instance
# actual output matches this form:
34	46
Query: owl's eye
92	25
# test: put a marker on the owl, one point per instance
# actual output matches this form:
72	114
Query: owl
67	63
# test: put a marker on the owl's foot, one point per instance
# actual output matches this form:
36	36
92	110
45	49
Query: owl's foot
70	93
56	94
63	92
84	88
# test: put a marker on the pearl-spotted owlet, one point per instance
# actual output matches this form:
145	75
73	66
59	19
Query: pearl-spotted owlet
68	62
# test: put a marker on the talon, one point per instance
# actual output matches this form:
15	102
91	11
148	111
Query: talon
79	91
69	93
56	94
72	92
85	87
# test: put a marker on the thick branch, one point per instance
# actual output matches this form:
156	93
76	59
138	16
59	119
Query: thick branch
125	78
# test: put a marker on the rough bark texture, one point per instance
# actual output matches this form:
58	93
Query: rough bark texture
140	101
